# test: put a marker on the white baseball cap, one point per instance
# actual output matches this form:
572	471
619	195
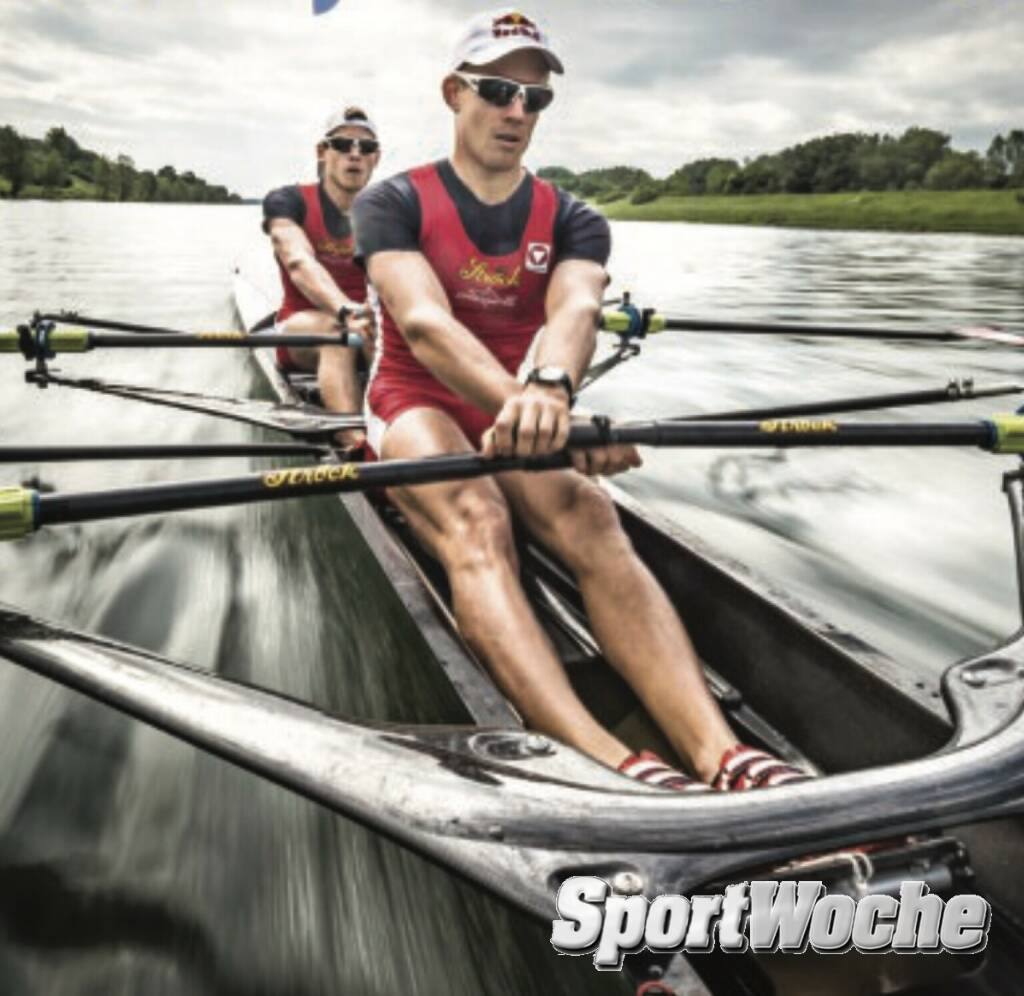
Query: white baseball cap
490	36
350	117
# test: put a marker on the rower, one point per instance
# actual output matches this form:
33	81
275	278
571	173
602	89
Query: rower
311	232
470	257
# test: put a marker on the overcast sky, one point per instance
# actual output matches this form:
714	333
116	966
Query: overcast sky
236	89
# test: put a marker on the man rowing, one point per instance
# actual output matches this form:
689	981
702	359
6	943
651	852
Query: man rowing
470	257
311	232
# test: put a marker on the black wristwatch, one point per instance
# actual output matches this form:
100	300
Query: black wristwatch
553	377
343	312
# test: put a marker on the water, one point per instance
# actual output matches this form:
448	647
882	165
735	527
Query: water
909	548
131	863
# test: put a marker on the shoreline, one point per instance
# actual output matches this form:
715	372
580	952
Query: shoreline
978	212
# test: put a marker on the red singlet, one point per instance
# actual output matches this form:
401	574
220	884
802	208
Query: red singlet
333	254
500	299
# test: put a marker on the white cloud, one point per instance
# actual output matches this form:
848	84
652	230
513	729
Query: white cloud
236	90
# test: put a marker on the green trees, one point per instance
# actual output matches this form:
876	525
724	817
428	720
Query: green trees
697	177
1005	159
919	157
956	171
13	159
602	184
57	166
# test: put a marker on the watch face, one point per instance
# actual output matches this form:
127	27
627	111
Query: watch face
550	375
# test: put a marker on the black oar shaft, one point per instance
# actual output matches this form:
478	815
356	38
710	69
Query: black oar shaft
954	391
46	340
22	510
776	328
155	451
275	485
217	340
787	432
73	318
338	478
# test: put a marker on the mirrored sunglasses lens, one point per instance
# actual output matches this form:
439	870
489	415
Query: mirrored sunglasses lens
367	146
499	92
537	98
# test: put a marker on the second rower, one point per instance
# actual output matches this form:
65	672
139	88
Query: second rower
311	232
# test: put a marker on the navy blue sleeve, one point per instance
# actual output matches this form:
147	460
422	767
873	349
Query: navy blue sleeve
580	231
386	217
285	202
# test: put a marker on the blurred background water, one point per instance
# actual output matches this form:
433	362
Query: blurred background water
131	863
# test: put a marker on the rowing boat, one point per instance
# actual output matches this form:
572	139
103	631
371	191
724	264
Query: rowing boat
787	680
928	771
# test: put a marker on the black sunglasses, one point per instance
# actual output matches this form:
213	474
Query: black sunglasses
501	92
366	146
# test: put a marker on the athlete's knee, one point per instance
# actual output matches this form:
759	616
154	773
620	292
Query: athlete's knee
588	530
479	530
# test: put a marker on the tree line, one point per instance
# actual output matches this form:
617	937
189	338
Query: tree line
920	158
58	167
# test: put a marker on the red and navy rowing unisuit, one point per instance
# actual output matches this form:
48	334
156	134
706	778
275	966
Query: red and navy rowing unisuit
499	298
334	253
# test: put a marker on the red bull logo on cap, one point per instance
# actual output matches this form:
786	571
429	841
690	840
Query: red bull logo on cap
510	25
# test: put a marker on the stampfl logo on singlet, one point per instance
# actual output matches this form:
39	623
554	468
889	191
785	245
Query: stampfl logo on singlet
538	257
337	248
479	271
514	23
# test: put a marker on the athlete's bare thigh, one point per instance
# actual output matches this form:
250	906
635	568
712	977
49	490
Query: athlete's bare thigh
434	511
307	323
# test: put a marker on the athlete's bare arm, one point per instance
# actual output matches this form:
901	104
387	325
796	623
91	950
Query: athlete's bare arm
415	299
573	309
295	253
537	420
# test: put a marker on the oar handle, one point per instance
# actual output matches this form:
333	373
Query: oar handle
18	512
44	341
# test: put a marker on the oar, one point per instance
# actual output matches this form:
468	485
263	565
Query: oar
23	510
955	390
117	325
47	340
633	324
155	451
111	324
300	421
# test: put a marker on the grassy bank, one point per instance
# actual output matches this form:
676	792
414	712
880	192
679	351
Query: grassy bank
991	212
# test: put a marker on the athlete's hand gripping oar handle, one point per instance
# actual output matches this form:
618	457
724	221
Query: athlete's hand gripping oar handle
45	342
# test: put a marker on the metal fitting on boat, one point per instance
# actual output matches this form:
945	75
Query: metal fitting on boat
538	745
627	883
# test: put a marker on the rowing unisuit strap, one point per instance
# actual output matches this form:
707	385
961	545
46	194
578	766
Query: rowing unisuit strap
334	254
500	299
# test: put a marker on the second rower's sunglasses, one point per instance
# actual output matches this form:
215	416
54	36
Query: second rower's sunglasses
366	146
501	92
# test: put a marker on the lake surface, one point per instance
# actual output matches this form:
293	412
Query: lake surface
131	863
